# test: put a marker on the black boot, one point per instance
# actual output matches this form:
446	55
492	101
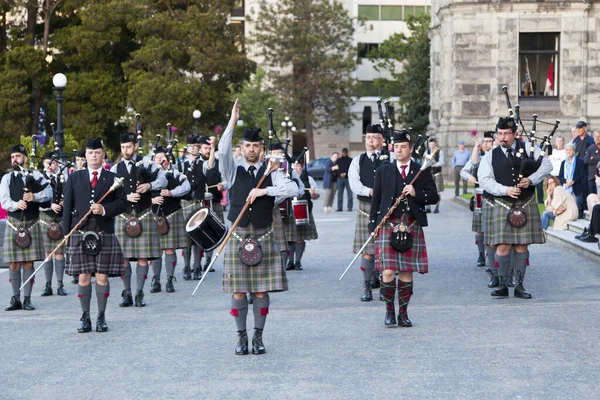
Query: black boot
61	289
403	320
75	280
241	349
494	281
368	293
139	299
481	260
290	265
27	304
502	290
511	282
375	283
86	323
187	273
47	290
197	273
127	299
520	291
101	325
155	285
257	343
169	286
15	304
298	266
208	259
390	318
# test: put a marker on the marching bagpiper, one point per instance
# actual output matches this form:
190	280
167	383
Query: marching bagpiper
307	231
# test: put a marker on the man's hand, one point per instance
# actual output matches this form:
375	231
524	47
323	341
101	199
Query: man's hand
524	183
133	197
335	167
478	143
235	111
371	193
22	204
97	209
28	196
570	182
513	192
256	193
158	200
220	187
143	188
56	207
166	193
472	180
409	190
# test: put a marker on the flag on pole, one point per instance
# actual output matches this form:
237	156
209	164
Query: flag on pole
528	83
549	90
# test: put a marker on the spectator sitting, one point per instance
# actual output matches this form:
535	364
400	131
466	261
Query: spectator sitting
593	198
560	206
589	233
573	176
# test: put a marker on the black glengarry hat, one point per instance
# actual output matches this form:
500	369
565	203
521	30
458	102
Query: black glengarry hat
488	134
47	155
374	129
80	153
96	143
402	136
19	148
276	146
507	123
202	140
161	149
191	139
252	135
128	138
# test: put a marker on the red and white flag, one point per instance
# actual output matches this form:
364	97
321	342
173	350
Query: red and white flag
549	90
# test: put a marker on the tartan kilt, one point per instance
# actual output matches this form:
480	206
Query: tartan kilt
177	237
278	231
267	276
361	231
189	208
35	251
502	233
413	260
308	232
290	229
218	210
476	223
439	181
109	261
486	221
143	246
49	244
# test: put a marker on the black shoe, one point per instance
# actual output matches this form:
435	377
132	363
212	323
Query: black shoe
61	289
584	233
241	349
155	285
381	296
390	318
197	274
139	299
257	343
208	259
127	299
403	320
375	284
47	290
481	260
187	273
298	266
502	291
86	323
27	304
368	293
250	298
339	210
589	239
436	211
511	282
494	282
169	287
488	270
101	325
75	280
290	265
521	293
15	304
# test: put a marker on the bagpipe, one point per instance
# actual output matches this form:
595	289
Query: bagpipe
144	173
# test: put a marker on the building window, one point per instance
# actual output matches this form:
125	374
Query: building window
415	10
369	12
364	49
367	115
391	13
238	8
538	64
367	88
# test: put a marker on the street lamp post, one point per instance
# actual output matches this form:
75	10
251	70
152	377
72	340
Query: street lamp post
196	114
289	126
60	82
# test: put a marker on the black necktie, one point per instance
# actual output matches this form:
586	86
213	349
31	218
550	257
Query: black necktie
510	156
373	157
251	170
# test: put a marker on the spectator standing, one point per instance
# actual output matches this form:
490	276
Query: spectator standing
582	141
591	160
572	176
330	182
459	160
343	164
558	155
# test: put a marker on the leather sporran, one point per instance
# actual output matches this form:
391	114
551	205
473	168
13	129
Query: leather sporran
517	218
54	231
401	239
133	227
250	252
91	244
22	238
472	204
162	225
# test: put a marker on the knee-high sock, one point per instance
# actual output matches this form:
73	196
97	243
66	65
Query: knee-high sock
15	282
60	269
127	278
367	266
389	294
511	268
405	291
157	267
85	296
260	309
300	247
102	293
197	257
479	241
141	273
520	266
292	249
239	310
491	253
26	274
170	263
49	270
187	256
503	267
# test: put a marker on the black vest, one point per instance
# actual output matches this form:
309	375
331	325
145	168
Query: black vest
213	176
17	189
170	204
130	186
197	180
367	171
507	174
306	196
260	213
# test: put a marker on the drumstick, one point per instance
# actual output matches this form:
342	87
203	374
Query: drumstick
212	186
117	183
272	167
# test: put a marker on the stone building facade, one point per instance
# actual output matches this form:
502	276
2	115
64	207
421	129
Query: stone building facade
546	52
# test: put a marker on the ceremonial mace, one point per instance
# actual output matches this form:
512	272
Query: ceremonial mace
273	166
373	235
118	182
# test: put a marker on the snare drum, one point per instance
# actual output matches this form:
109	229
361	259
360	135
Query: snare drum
285	209
301	214
205	229
478	200
208	200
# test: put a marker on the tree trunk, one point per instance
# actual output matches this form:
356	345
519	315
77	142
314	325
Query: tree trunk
310	140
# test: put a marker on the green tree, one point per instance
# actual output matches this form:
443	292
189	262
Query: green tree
411	84
308	48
